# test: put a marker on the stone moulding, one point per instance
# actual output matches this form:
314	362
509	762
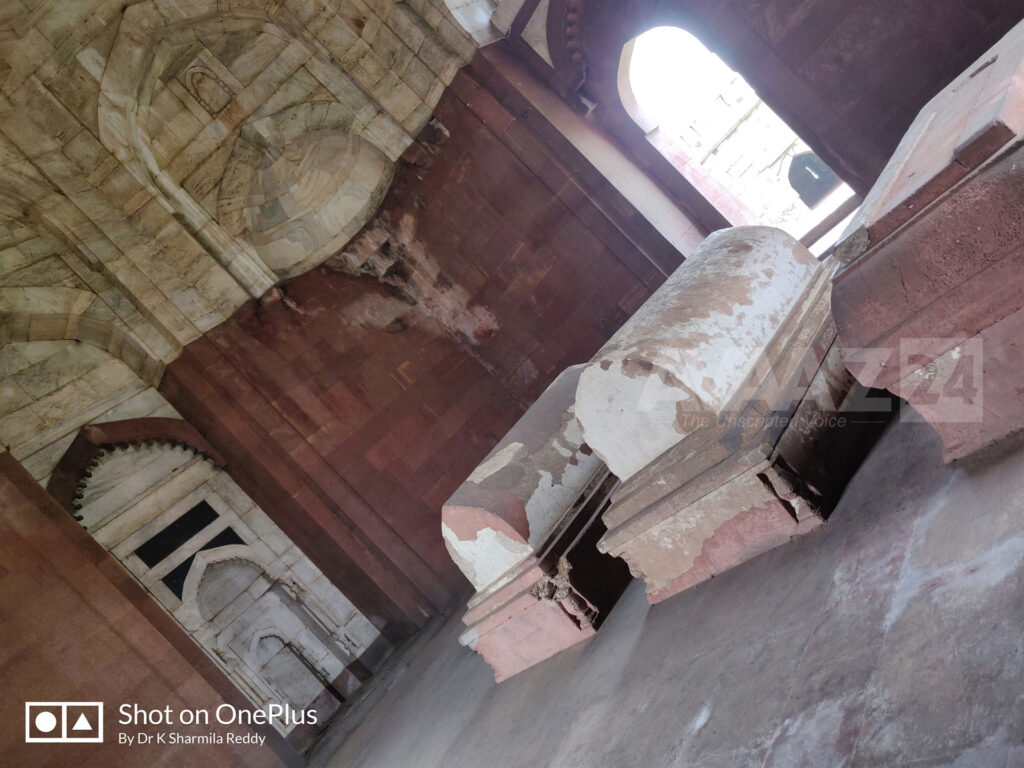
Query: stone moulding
758	458
143	46
928	304
731	512
123	344
523	528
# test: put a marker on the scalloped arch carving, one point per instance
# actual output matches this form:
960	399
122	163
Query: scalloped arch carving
94	440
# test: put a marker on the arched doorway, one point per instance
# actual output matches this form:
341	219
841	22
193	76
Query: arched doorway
185	530
722	137
146	486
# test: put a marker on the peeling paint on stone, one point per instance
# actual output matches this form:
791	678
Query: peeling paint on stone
735	522
679	361
495	462
522	489
518	528
486	556
718	404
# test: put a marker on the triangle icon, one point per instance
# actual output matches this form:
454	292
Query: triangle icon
81	724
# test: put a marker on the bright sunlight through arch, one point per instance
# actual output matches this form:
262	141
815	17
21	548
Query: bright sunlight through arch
722	137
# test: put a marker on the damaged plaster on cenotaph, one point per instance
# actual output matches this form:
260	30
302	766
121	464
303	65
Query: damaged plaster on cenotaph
718	404
522	529
680	361
511	502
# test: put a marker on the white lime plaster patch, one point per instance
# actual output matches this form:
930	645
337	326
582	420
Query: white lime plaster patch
489	555
495	463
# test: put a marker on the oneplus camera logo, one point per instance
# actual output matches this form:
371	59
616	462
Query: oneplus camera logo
63	722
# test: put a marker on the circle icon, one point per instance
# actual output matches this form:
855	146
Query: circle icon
46	722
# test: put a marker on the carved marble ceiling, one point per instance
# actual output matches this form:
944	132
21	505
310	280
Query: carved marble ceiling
163	162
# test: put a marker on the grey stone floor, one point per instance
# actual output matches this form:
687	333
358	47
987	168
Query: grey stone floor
892	636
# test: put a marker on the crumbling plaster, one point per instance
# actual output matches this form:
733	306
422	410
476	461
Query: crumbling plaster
512	502
684	359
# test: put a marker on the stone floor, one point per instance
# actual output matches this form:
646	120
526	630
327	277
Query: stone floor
892	636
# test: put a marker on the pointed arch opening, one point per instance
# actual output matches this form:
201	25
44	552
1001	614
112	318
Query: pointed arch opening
723	138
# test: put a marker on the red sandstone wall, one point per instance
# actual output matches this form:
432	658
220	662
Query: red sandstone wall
75	626
514	228
354	408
